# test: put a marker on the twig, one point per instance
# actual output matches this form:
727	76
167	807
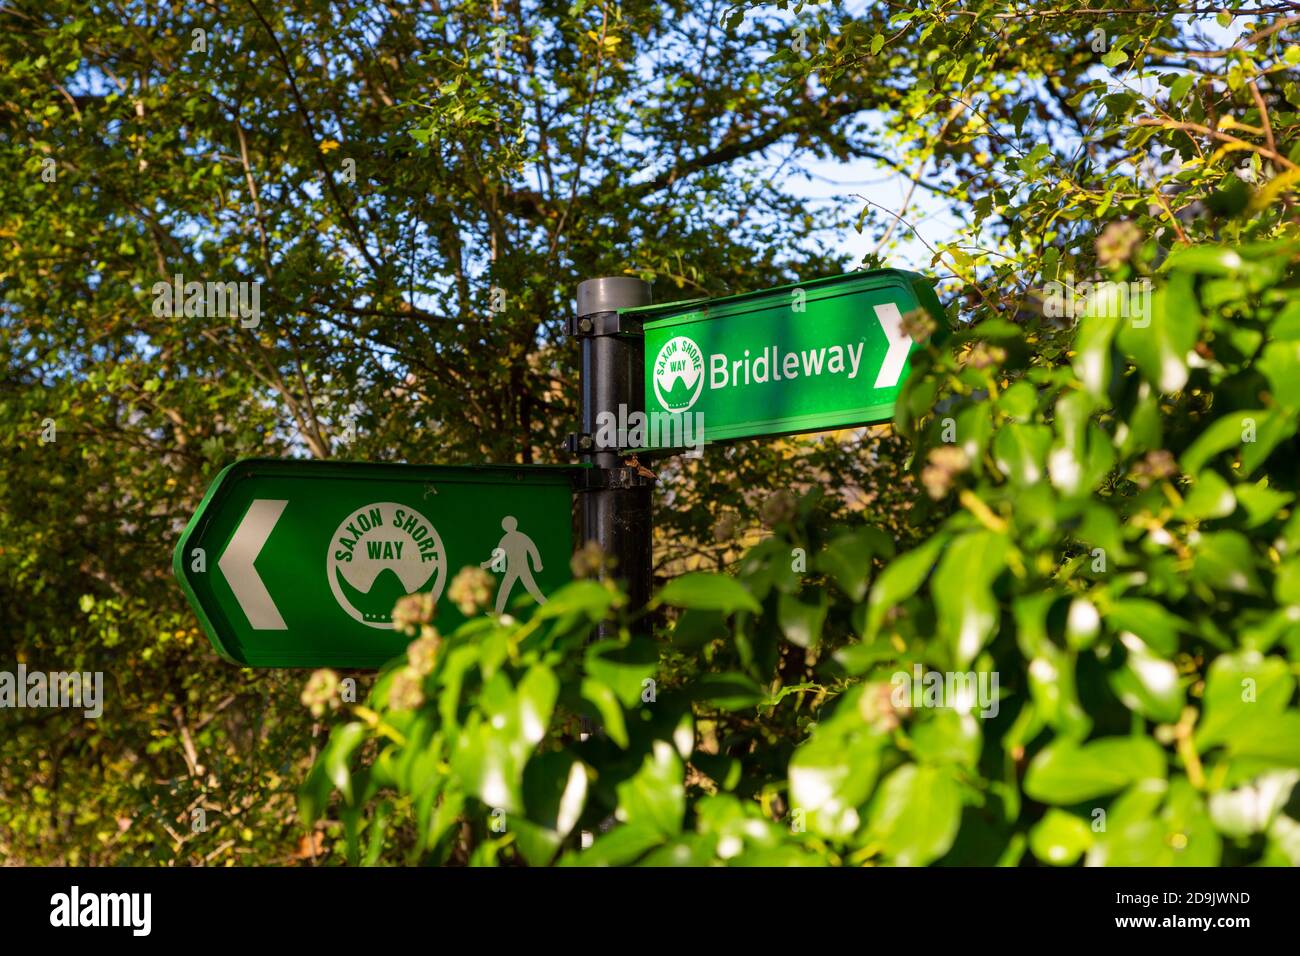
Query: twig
1263	113
1207	131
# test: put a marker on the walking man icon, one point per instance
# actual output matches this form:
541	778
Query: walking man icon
517	552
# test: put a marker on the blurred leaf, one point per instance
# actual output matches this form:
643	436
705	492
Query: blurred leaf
708	592
1160	345
801	621
916	814
1147	683
1060	838
654	799
1065	772
899	581
967	611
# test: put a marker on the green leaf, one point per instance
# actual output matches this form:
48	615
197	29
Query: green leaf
1210	497
1254	432
1065	772
769	565
1178	89
847	560
961	588
1238	688
1092	348
1268	739
1020	452
1159	343
1224	433
623	668
489	759
1181	835
1279	364
801	622
697	628
1286	586
831	775
730	691
687	850
607	706
587	600
1261	502
1153	623
916	814
708	592
899	581
1020	402
1225	560
619	847
1147	683
343	741
655	797
1060	838
947	737
536	696
1053	684
555	792
1252	808
1271	430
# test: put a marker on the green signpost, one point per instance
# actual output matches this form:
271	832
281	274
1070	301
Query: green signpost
831	353
299	563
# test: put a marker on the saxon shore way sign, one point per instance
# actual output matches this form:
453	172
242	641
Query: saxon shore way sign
830	353
299	563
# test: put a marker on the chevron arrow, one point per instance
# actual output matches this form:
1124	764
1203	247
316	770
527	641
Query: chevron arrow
236	563
900	343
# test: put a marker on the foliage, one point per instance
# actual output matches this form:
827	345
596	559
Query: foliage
336	154
1120	553
1111	531
1083	141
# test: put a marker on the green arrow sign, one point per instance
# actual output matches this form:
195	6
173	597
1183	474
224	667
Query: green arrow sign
299	563
831	353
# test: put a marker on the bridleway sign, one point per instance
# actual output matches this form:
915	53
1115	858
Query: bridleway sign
830	353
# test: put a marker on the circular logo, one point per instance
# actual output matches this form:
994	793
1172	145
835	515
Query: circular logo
381	553
678	374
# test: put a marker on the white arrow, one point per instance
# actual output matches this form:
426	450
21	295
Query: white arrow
236	564
900	343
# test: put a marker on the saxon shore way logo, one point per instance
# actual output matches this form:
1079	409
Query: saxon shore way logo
380	553
679	374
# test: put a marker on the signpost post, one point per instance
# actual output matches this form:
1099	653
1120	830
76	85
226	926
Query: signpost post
614	496
831	353
299	563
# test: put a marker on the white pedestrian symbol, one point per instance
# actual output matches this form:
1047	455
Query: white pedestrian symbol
518	558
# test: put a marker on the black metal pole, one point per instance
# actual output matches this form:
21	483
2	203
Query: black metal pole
615	504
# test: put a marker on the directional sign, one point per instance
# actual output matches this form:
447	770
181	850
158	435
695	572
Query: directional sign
299	563
830	353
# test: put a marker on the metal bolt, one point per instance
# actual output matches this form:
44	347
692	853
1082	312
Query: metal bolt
586	326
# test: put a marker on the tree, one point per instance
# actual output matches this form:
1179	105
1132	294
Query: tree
370	178
383	173
1089	653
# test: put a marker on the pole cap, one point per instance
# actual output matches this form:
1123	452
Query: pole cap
610	293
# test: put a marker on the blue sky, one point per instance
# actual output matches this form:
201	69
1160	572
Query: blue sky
837	185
